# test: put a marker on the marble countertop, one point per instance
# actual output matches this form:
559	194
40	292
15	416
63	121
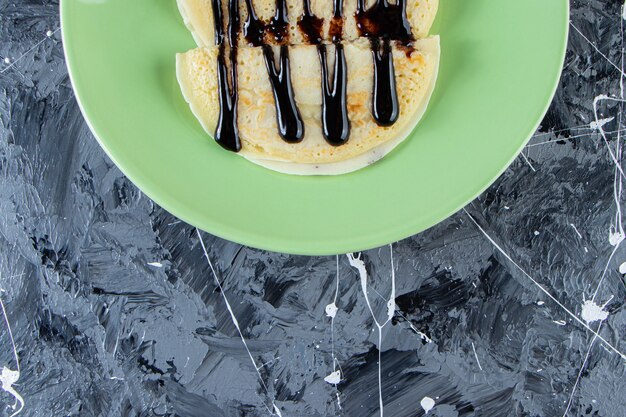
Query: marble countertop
112	307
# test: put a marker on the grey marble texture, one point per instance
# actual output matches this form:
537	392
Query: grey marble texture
512	307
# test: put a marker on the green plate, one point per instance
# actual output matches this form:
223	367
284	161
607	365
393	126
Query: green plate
500	65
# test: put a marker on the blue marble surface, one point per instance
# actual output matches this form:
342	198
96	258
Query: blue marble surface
113	307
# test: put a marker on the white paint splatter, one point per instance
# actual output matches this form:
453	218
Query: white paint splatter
49	33
333	378
8	377
358	263
7	60
571	138
540	303
156	264
331	310
260	366
592	312
615	237
600	123
593	45
603	97
476	355
618	217
580	373
616	234
536	232
622	268
538	285
559	322
528	162
427	404
576	230
236	323
422	335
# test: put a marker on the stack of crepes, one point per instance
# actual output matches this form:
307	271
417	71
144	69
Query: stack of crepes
416	67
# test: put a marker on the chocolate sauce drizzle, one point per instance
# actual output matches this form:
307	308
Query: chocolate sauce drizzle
278	27
310	25
336	23
335	122
227	131
384	21
381	23
290	124
385	108
254	28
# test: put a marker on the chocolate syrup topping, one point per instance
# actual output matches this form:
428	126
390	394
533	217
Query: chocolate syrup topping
335	122
384	21
290	124
226	131
335	31
381	23
337	8
253	28
385	108
233	23
278	27
310	25
218	28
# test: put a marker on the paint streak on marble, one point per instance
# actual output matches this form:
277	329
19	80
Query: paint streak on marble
427	404
357	262
9	377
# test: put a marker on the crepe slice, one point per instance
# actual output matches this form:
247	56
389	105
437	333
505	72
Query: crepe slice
415	72
198	16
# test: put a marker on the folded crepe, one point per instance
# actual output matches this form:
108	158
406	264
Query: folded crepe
416	67
198	16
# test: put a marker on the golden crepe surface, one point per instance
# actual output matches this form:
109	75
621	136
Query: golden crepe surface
416	69
415	77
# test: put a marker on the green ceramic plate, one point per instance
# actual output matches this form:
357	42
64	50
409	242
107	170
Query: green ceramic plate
500	65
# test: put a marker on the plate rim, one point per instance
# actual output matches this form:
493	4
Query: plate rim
302	247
